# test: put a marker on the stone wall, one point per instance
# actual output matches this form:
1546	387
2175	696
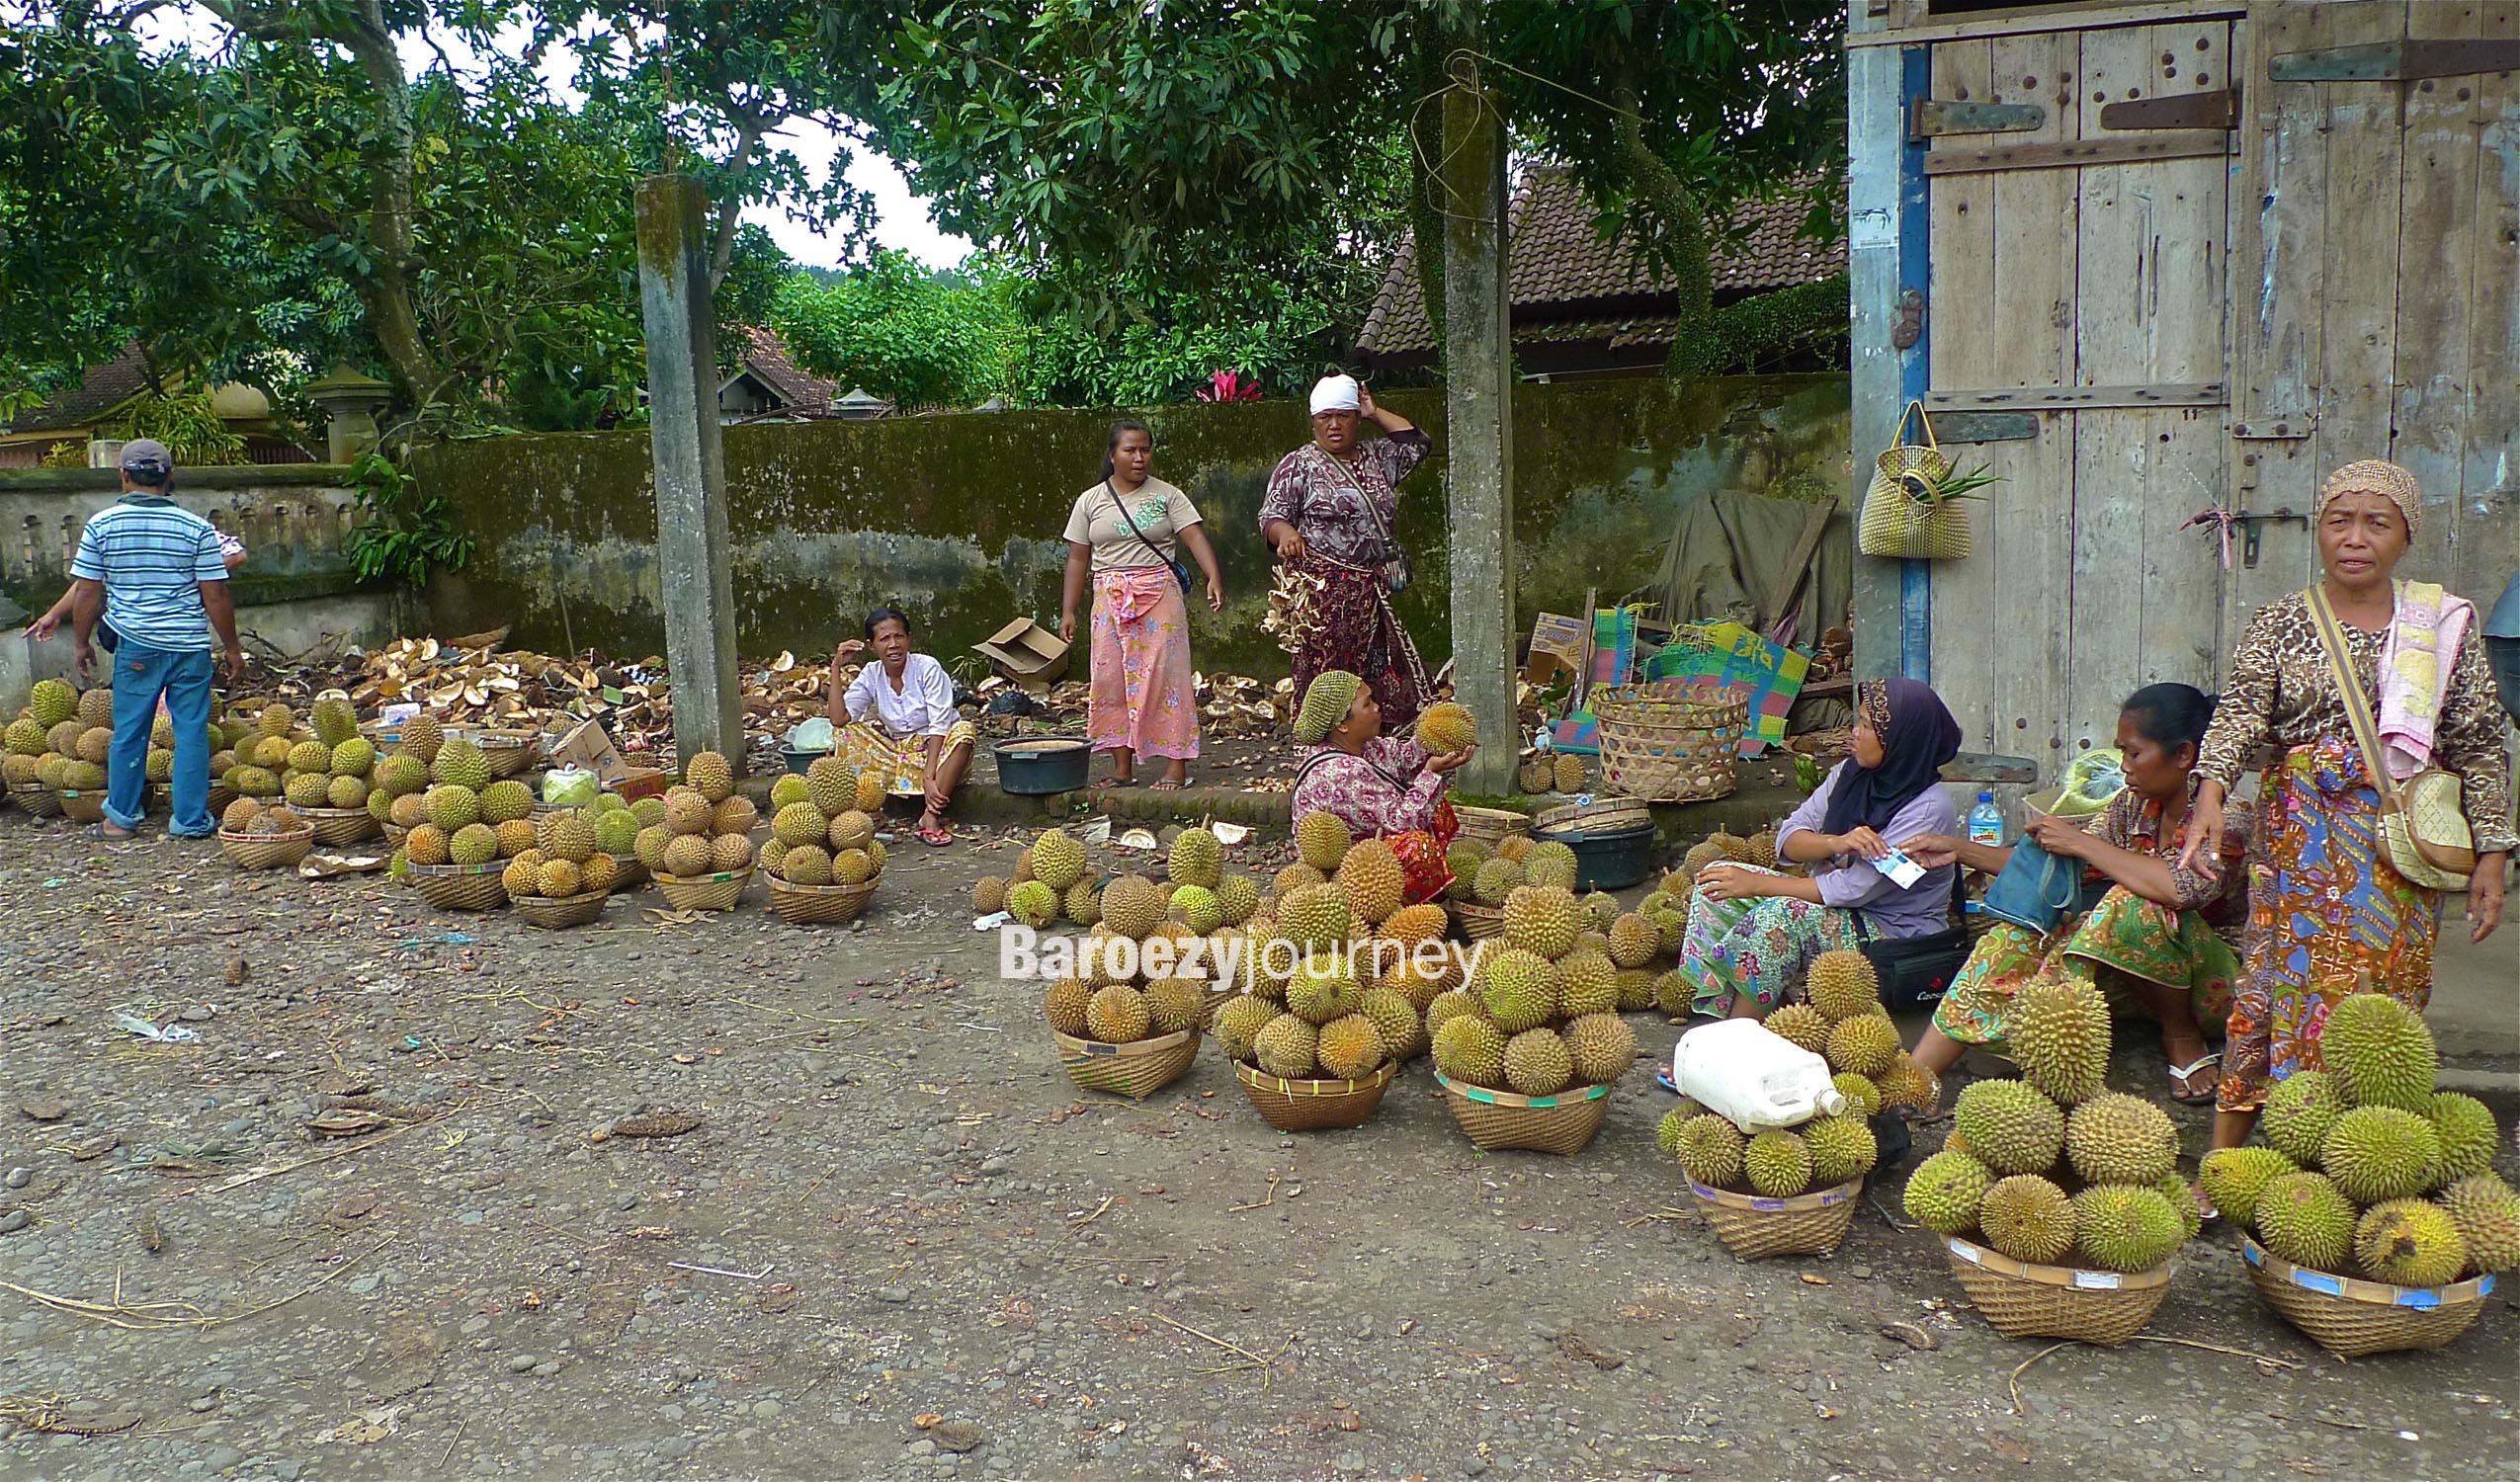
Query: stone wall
957	518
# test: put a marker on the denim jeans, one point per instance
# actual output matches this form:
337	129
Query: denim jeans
141	675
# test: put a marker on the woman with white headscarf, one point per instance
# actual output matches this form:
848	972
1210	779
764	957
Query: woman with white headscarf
1329	514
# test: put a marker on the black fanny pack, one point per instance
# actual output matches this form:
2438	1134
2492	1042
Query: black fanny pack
1916	971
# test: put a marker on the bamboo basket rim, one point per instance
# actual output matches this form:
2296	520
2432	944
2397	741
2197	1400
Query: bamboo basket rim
2357	1290
713	877
1252	1075
1798	1204
1574	1095
309	832
2068	1277
1600	817
1156	1045
450	871
779	887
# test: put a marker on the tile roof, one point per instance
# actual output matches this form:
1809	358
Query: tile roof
103	386
769	362
1562	270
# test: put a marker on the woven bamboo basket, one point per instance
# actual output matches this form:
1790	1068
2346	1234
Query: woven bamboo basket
1560	1123
2351	1318
1490	826
35	799
1310	1105
628	874
1605	816
266	851
507	752
1672	740
555	912
1754	1227
220	795
342	825
394	833
705	892
1478	922
2023	1300
1137	1070
462	887
817	905
83	805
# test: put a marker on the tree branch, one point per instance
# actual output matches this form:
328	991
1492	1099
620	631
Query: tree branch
1675	239
749	127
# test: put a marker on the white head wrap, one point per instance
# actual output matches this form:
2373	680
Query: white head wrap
1334	393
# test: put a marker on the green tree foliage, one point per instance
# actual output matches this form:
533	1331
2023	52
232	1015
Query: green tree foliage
899	331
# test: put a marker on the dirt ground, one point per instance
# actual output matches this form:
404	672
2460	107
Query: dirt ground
900	1243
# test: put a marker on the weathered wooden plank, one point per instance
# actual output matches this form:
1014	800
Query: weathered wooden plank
2123	297
2113	297
1963	298
2488	528
2186	262
1985	426
2179	618
2436	274
2399	61
2113	456
1875	94
2018	19
2365	153
2183	143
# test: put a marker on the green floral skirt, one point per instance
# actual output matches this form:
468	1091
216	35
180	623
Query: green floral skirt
2122	939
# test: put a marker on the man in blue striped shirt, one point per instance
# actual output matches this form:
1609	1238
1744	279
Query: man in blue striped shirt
152	568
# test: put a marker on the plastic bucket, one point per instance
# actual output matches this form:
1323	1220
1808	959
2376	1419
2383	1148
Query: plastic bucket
1611	860
1039	766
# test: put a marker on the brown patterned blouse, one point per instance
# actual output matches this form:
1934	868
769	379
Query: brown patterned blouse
1326	503
2283	694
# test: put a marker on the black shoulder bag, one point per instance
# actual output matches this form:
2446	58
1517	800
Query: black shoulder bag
1916	971
1180	568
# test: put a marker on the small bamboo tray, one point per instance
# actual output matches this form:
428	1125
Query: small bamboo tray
2351	1318
394	833
1607	816
552	913
1489	826
266	851
1137	1070
507	752
2022	1300
1494	1119
83	805
462	887
36	800
342	825
1478	922
705	892
1310	1105
817	905
1754	1226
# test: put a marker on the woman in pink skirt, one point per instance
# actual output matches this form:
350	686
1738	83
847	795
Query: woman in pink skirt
1125	534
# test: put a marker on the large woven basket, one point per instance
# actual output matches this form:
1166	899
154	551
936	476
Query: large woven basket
628	874
35	799
507	752
1478	922
817	905
462	887
705	892
1490	826
1308	1106
1560	1123
266	851
342	825
81	805
1610	815
2023	1300
394	833
2351	1318
1137	1070
1754	1226
555	912
1672	740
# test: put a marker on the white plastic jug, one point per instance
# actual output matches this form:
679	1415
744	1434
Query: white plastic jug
1742	1070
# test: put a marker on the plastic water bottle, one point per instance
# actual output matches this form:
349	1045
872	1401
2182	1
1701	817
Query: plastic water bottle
1750	1075
1986	822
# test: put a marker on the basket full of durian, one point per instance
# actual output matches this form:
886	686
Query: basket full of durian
1774	1190
463	831
2379	1220
2058	1202
564	878
700	856
822	858
1841	1020
258	837
61	743
325	776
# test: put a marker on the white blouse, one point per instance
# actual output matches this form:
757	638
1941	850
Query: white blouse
922	706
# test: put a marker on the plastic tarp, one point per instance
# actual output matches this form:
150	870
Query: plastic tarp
1727	552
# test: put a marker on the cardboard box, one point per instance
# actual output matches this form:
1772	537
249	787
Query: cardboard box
1555	641
587	748
1025	652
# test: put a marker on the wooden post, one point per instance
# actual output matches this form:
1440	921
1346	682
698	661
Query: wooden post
1885	260
692	538
1478	379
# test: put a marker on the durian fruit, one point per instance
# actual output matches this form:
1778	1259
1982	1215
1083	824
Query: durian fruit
2058	1030
2028	1218
356	757
335	721
1238	1024
1132	907
869	797
1842	1148
1197	908
1324	988
2010	1128
1538	1063
1944	1192
688	856
461	763
1295	877
1867	1044
831	786
1536	775
2379	1052
1586	983
96	707
1082	904
1674	994
1197	858
651	846
274	719
2465	1129
1632	940
238	814
1064	1006
515	837
521	879
712	775
1453	1003
1411	925
773	857
1496	879
342	792
1666	1133
1316	917
1711	1150
2116	1138
616	832
2486	1213
810	865
159	766
308	790
400	774
687	812
2182	1196
1403	1031
1239	896
1543	920
2301	1111
1568	773
1321	840
2409	1243
2234	1177
2379	1153
1469	1049
1286	1047
1176	1004
558	879
1550	864
2303	1218
1059	860
2122	1227
565	835
271	752
1777	1163
1446	727
1843	985
1760	848
853	829
1601	913
1635	990
64	739
1699	857
1800	1025
649	811
1862	1097
1520	991
600	872
789	787
1350	1049
1034	903
1117	1014
733	815
426	845
1603	1046
472	844
52	701
1370	874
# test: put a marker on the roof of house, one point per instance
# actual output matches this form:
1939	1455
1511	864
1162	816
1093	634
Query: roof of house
767	358
105	386
1570	285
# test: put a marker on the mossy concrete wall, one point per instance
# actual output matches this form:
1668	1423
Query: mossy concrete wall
958	519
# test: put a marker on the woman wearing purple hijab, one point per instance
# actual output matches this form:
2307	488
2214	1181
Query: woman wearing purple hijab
1753	933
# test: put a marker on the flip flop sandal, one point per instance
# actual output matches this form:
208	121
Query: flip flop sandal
97	831
1109	783
1165	785
1662	1078
2183	1089
936	838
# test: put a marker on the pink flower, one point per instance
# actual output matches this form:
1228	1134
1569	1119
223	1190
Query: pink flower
1229	385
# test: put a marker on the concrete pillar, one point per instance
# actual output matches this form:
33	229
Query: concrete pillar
1479	417
692	540
350	401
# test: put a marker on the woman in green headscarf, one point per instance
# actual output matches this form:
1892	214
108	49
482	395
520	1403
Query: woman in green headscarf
1378	786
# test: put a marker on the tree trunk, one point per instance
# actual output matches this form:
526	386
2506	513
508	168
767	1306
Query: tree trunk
1679	239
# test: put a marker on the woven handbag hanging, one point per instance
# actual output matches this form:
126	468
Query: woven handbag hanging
2423	827
1905	511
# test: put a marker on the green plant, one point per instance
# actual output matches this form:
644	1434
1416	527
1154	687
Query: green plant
405	532
188	426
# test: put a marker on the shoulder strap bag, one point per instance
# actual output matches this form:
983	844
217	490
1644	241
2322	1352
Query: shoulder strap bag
1397	570
2423	829
1179	568
2036	890
1916	971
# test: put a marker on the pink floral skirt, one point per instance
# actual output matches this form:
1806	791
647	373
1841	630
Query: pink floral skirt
1142	696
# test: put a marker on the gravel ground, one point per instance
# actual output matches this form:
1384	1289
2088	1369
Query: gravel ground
932	1255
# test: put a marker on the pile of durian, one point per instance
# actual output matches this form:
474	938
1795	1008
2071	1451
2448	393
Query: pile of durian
1638	942
2369	1172
1111	996
2052	1169
576	851
63	736
822	825
439	788
1841	1020
701	826
253	818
